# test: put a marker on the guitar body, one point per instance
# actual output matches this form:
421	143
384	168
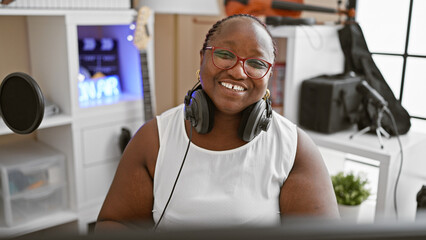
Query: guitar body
259	8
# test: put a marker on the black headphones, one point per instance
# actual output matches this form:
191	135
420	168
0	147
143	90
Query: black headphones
199	110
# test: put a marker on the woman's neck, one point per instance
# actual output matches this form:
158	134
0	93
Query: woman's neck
223	136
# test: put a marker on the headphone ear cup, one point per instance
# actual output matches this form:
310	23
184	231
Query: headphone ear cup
254	120
200	111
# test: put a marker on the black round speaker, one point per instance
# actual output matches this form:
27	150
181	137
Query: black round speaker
21	103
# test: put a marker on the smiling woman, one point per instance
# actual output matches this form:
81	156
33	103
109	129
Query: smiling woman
224	158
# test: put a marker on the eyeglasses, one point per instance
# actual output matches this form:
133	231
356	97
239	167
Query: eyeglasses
225	59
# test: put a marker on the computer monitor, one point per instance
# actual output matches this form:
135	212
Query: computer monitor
300	229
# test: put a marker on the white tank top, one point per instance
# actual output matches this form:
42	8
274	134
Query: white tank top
232	188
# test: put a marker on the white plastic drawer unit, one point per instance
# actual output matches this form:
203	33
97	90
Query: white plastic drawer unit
33	182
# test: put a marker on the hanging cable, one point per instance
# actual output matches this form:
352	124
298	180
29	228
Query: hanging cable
177	177
395	205
310	37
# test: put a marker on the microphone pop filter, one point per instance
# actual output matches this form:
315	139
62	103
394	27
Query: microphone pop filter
21	103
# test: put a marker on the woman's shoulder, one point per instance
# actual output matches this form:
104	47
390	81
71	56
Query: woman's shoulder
169	117
171	112
283	122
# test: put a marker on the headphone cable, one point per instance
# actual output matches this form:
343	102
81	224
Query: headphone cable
177	177
310	37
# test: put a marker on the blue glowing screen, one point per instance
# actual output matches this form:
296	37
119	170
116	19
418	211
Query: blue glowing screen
109	65
98	88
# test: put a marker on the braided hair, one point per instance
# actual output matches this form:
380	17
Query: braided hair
217	26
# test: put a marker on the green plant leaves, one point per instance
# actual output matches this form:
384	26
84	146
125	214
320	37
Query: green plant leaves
350	189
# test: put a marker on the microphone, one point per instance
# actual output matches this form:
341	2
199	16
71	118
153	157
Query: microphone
21	103
294	6
278	21
369	91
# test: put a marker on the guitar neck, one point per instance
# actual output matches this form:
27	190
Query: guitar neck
141	38
146	85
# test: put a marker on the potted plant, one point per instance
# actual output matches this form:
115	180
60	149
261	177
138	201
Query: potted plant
351	191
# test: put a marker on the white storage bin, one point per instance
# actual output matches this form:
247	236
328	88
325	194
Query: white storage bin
33	182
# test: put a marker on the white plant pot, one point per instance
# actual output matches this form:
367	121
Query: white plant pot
349	213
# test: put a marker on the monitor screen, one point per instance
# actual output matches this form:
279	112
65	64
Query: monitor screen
290	230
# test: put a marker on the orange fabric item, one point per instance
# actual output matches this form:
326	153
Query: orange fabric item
36	184
260	8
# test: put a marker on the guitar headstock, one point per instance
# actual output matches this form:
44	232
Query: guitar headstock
141	36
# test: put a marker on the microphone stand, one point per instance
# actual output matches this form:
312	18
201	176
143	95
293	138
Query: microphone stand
381	105
376	125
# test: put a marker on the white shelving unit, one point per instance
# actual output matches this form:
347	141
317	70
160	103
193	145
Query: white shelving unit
53	121
41	223
87	136
388	160
310	51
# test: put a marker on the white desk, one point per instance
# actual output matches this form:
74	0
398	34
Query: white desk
367	145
